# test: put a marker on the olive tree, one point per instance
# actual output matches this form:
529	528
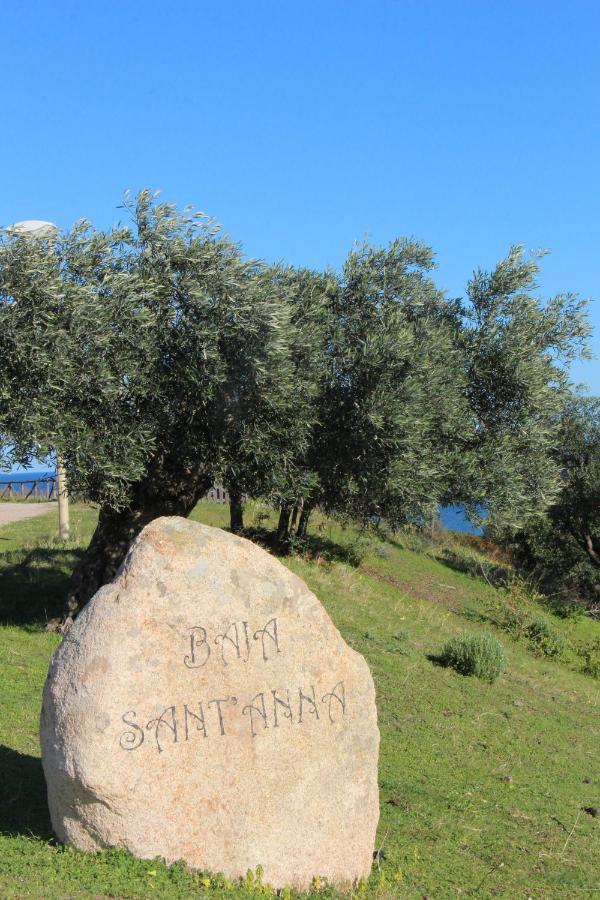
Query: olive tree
136	353
561	548
516	349
390	391
422	399
269	434
154	357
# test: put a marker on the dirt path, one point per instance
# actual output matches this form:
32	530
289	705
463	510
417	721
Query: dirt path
14	512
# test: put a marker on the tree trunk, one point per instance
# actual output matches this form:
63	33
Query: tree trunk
294	518
236	510
303	523
283	528
593	554
115	532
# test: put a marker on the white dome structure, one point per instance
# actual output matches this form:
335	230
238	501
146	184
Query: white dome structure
33	228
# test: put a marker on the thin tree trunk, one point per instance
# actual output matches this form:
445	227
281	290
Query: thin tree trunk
294	518
593	554
303	523
116	531
236	510
283	527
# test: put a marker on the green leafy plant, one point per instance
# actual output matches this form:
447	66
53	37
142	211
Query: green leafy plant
561	549
481	655
590	653
545	639
511	610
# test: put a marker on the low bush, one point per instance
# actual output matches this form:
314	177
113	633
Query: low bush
511	611
481	655
590	653
508	610
544	639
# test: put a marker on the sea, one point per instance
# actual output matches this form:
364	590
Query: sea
455	518
29	475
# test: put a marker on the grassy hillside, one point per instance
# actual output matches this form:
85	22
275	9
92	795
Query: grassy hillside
483	787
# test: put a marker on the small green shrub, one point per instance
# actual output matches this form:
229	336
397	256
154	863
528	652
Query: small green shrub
545	639
412	538
399	644
358	548
481	655
590	653
565	607
515	622
402	635
384	551
511	611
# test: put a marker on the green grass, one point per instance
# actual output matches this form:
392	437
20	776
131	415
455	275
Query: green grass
482	785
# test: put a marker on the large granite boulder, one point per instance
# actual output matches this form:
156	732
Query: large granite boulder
204	707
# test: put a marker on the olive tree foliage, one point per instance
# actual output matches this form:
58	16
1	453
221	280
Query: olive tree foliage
74	343
424	400
143	355
260	461
516	349
155	358
560	550
389	391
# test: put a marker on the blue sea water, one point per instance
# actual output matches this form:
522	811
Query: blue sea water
455	519
28	476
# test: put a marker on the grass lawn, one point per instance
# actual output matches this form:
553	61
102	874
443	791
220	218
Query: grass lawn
483	787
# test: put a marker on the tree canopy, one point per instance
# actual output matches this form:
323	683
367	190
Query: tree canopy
156	358
561	548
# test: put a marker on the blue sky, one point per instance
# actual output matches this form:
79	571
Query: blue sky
304	126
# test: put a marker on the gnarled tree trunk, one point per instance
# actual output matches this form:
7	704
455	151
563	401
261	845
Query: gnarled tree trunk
116	531
593	553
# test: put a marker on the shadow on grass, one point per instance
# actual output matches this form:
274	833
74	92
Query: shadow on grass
312	546
496	575
437	659
23	804
33	584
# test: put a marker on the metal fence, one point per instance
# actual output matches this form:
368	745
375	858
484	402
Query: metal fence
217	494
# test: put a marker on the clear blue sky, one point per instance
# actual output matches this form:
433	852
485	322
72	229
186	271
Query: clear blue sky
303	126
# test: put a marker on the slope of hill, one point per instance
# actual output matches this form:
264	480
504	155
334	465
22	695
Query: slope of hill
484	788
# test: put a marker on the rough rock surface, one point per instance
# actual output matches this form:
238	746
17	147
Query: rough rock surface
204	707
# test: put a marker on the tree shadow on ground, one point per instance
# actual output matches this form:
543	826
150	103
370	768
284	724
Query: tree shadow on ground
312	546
496	575
23	803
33	584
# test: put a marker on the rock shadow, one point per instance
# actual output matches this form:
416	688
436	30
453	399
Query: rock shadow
23	801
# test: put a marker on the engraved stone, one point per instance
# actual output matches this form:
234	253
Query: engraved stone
204	707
